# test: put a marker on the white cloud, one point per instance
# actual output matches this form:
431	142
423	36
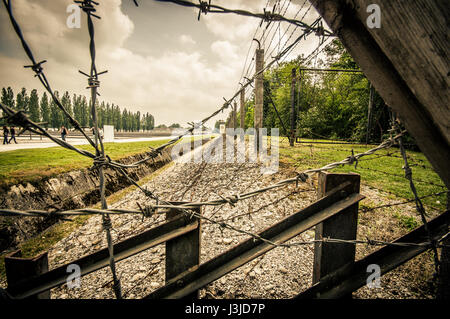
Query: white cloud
180	86
186	39
225	50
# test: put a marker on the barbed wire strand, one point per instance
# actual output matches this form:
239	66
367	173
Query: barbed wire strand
88	6
39	71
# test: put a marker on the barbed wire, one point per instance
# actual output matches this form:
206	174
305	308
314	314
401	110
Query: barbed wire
419	206
39	72
88	6
368	209
101	160
205	7
232	200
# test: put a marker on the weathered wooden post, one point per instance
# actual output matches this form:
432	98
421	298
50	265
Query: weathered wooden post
19	269
444	280
242	109
183	252
259	95
328	257
293	115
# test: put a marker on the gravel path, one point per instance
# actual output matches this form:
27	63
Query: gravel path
281	273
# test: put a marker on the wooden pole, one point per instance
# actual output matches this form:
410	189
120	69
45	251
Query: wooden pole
398	86
259	95
183	252
329	257
19	269
293	121
444	278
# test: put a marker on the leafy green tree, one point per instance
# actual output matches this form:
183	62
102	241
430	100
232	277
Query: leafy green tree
8	97
45	110
22	100
33	106
55	113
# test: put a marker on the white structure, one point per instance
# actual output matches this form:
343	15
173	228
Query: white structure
222	128
108	133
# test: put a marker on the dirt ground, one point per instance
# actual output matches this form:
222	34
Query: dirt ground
280	273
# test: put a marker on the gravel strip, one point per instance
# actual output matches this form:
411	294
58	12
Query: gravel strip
280	273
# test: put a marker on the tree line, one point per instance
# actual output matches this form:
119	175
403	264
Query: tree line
328	105
44	110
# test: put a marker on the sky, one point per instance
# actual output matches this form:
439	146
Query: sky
160	58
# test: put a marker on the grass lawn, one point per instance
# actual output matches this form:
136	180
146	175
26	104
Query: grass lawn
384	173
31	165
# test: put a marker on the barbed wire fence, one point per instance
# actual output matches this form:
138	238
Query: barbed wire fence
101	160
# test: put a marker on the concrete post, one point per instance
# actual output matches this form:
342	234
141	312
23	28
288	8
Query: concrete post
259	94
235	115
293	115
242	110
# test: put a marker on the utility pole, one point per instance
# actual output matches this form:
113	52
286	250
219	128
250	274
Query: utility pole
259	94
235	115
299	92
293	119
369	113
242	109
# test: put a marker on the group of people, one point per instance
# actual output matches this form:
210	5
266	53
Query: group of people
7	132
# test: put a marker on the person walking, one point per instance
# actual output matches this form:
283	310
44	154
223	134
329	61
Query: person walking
5	135
64	132
12	130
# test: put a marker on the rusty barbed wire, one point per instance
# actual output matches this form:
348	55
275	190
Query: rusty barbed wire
100	161
39	71
419	206
233	199
268	16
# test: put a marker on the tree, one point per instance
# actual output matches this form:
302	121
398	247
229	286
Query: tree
84	121
55	113
22	100
45	109
67	104
33	106
8	97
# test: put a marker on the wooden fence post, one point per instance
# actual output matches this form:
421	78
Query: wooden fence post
328	257
183	252
444	280
18	269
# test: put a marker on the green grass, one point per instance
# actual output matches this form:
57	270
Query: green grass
302	156
408	222
31	165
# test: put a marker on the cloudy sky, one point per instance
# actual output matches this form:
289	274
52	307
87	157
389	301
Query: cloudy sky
159	58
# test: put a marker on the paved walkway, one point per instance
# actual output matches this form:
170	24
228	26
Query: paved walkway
26	143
